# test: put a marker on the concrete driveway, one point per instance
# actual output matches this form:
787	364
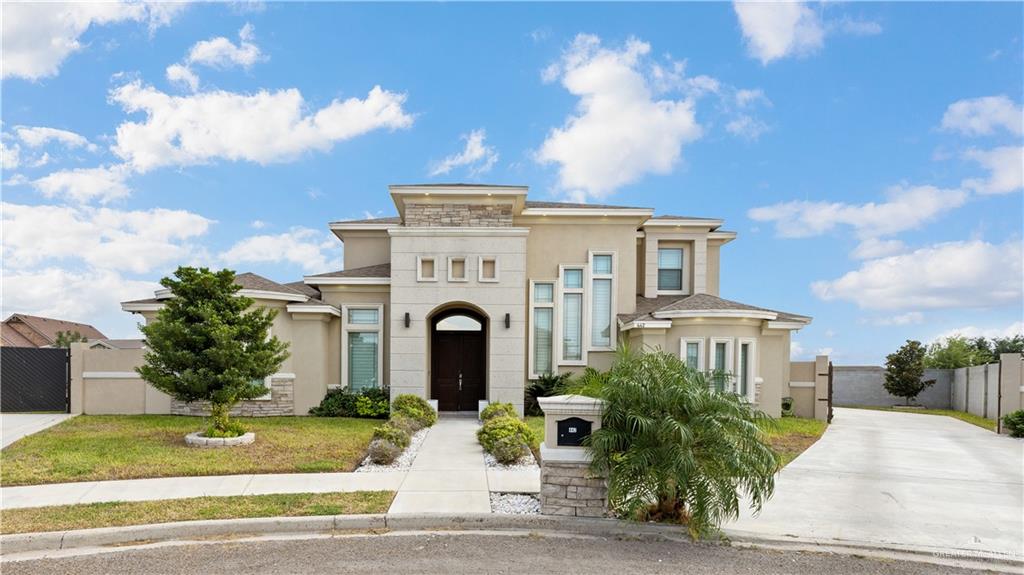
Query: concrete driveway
928	482
14	426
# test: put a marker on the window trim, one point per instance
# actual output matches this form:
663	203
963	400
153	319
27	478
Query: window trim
480	270
752	361
683	342
419	269
347	328
589	281
729	356
683	276
531	343
465	269
561	290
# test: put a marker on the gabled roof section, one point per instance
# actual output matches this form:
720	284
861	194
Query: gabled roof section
706	305
253	285
251	281
11	338
379	274
46	328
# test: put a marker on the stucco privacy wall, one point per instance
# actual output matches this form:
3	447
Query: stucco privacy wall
801	388
104	381
1011	384
864	385
506	352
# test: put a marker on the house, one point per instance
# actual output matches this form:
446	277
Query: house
471	291
23	330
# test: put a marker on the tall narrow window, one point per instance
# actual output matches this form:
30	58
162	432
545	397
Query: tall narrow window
572	315
721	363
691	351
361	351
670	269
601	300
692	354
542	350
744	369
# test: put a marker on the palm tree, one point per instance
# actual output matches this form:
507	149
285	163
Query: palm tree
675	449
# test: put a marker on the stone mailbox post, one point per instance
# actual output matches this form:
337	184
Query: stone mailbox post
567	486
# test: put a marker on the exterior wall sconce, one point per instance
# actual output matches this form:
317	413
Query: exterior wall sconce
406	319
508	320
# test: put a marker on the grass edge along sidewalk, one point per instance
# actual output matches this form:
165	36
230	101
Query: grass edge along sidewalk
982	422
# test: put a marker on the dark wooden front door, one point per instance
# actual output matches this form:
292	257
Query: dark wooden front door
458	369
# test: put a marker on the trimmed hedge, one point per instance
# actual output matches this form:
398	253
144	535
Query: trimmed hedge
370	403
414	407
498	409
507	438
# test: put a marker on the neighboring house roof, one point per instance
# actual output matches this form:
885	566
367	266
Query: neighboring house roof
375	271
40	331
118	343
662	307
11	338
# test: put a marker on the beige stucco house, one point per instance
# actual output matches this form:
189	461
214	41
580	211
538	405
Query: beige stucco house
471	291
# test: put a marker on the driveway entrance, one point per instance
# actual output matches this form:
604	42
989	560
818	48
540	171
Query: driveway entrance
902	479
18	425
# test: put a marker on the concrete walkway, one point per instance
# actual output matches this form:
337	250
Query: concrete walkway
925	481
447	476
14	426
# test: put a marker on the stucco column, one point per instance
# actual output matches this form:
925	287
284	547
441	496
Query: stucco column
1011	385
700	265
77	367
821	387
309	351
651	266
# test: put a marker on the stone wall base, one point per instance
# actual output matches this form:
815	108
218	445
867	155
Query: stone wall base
572	489
281	402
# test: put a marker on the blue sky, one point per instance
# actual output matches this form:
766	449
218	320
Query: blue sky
868	155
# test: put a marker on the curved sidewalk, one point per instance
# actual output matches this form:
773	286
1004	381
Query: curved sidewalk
447	476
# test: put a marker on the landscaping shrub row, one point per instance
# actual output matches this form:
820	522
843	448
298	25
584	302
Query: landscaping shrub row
372	403
409	414
503	434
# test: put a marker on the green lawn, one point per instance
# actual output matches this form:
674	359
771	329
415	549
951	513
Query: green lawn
61	517
99	447
792	435
536	423
982	422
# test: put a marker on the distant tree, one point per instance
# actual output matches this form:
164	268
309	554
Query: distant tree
957	351
66	338
1013	344
206	344
904	371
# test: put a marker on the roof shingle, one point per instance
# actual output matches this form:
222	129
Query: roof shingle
375	271
647	307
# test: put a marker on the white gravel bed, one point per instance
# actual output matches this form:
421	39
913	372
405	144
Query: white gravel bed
515	504
403	461
526	462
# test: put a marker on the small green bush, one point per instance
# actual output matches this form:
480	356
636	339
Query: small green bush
1014	423
414	407
498	409
500	435
383	452
508	450
406	424
233	429
392	434
371	403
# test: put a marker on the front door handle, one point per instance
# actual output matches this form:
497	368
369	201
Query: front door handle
460	381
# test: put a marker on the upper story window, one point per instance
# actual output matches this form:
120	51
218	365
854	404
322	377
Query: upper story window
488	269
602	299
670	269
426	269
457	269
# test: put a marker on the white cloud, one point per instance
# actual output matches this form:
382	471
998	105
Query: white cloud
263	127
746	127
309	249
222	53
973	331
871	248
746	97
10	156
946	275
258	224
81	185
796	350
37	37
775	30
984	116
905	208
476	155
183	75
36	136
1005	166
619	132
909	318
91	296
107	239
856	27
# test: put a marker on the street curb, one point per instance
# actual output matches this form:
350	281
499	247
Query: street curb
331	524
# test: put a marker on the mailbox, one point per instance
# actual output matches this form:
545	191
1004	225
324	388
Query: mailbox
572	431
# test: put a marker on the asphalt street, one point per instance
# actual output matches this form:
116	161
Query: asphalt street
472	553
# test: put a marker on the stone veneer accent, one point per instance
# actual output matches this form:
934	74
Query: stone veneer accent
458	215
572	489
281	402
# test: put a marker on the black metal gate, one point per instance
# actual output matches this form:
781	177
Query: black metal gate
34	379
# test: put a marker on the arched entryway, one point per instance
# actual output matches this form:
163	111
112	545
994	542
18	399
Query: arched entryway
458	359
